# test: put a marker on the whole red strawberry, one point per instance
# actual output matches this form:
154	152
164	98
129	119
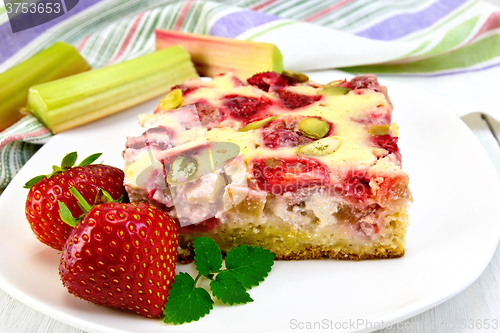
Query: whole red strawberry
122	256
42	210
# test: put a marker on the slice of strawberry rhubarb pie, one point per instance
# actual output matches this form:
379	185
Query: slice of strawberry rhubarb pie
303	169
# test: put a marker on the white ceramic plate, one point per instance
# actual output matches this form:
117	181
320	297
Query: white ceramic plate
453	233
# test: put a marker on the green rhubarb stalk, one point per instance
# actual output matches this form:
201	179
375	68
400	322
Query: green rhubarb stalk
214	55
58	61
82	98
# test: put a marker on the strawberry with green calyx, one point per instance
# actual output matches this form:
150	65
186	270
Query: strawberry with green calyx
66	215
42	209
119	255
123	256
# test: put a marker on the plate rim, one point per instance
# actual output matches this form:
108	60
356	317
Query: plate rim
394	317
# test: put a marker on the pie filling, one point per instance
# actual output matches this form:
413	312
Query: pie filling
302	169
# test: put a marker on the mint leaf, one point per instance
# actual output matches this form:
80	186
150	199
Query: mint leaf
186	303
228	289
207	256
89	160
248	264
69	160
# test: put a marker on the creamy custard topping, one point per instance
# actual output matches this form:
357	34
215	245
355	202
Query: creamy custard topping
351	114
315	158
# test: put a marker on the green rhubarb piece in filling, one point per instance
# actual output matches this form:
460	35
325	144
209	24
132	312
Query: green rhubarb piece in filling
379	130
320	147
314	128
295	76
256	124
335	91
172	100
182	170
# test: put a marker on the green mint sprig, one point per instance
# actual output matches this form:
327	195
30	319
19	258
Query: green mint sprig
246	266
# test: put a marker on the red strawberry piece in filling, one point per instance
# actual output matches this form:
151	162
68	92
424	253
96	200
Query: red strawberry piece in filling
355	186
285	138
368	81
156	137
209	115
122	256
246	109
186	90
280	175
344	84
268	81
390	188
294	101
283	133
368	228
389	143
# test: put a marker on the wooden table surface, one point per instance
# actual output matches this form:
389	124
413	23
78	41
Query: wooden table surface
477	303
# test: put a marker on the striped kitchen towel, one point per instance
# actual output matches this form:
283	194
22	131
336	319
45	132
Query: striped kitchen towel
448	47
